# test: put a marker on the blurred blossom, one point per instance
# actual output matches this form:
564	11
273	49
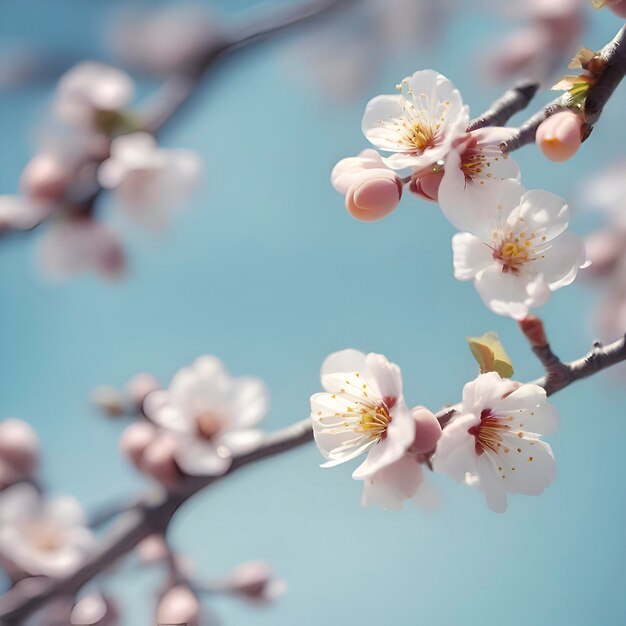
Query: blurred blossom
109	400
344	53
95	609
55	613
18	213
179	605
255	581
547	40
88	89
606	192
42	538
75	245
19	452
610	317
212	415
139	386
161	41
147	180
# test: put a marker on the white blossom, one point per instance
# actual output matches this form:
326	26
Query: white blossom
494	442
517	250
362	410
420	124
147	180
212	415
89	88
42	538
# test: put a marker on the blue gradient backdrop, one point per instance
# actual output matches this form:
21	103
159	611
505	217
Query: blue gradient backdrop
265	269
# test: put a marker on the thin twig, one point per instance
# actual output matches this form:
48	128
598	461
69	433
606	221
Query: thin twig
614	53
506	106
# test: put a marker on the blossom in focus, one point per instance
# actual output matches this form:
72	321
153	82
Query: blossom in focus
40	537
19	452
475	167
163	40
71	246
371	189
494	440
418	125
549	36
90	89
362	410
147	180
517	250
212	415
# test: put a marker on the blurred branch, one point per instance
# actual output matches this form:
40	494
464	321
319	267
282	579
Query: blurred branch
614	53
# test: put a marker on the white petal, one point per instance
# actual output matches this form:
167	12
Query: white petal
199	457
491	482
471	256
485	392
455	454
386	375
561	260
343	361
240	441
386	109
395	483
542	212
530	410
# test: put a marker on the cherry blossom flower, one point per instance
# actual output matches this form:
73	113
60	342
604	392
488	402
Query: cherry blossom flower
42	538
91	88
494	441
72	246
474	168
516	251
148	180
363	410
420	124
403	480
212	415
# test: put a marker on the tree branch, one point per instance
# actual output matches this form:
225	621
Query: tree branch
506	106
154	511
614	53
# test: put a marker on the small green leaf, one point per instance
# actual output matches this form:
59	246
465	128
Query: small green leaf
491	355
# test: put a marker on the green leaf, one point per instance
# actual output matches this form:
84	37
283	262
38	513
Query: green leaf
490	354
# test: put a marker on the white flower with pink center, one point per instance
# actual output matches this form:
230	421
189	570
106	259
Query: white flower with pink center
361	411
42	538
494	441
418	125
212	415
517	250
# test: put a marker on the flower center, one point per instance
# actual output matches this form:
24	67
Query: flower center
488	433
514	250
418	135
208	424
44	537
373	422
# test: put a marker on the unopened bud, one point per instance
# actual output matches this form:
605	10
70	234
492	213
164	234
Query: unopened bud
19	447
159	460
255	581
139	386
532	327
95	610
374	195
134	441
179	605
559	136
427	186
45	178
427	430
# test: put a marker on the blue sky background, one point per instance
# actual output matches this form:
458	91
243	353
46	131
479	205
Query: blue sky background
266	270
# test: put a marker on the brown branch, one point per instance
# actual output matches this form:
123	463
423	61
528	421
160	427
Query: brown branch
506	106
614	53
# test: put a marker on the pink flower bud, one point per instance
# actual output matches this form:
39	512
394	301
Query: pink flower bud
179	605
45	178
427	186
152	549
19	447
374	195
559	136
134	441
159	460
427	430
617	6
139	386
95	610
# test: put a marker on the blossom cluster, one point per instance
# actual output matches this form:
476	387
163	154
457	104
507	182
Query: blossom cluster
514	243
93	140
490	441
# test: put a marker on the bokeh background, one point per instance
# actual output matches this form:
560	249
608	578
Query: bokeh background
265	269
